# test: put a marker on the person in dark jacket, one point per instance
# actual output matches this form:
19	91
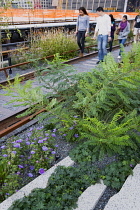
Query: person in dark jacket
124	28
113	28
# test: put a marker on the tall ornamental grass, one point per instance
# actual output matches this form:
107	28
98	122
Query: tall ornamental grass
48	43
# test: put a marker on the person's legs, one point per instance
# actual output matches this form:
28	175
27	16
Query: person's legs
79	36
111	44
100	51
120	42
104	45
83	41
135	35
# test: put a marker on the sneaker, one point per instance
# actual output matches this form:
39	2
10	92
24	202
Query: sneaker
99	62
81	55
119	57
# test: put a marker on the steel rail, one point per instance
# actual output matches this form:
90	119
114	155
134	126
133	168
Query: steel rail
31	75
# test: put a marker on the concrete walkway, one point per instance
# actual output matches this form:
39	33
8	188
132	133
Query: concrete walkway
129	196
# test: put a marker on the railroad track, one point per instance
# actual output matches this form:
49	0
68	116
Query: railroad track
31	74
12	123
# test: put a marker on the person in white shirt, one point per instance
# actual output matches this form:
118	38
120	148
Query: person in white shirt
103	28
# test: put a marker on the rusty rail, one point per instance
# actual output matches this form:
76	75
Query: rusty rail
11	123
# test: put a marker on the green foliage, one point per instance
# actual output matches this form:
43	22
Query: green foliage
67	184
115	174
18	155
48	43
109	138
64	187
106	90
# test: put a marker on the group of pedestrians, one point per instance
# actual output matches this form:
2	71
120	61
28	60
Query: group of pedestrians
104	31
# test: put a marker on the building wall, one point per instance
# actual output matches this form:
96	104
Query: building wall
75	4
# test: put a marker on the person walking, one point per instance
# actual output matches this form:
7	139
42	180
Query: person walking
124	30
82	29
113	28
136	28
103	28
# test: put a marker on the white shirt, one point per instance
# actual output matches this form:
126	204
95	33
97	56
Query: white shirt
103	25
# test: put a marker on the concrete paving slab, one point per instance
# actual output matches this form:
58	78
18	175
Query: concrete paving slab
129	196
90	197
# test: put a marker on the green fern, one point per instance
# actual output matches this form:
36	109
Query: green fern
109	138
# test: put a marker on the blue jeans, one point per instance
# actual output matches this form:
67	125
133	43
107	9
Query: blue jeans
121	42
102	43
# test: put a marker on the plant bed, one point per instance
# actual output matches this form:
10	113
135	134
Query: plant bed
23	157
98	110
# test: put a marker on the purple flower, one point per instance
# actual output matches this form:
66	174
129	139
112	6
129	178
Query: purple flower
29	134
18	173
64	134
16	190
37	161
131	165
35	139
54	130
29	157
7	194
30	174
2	147
47	158
31	129
32	167
19	141
40	141
20	166
53	152
32	152
17	145
51	149
41	170
40	137
71	128
75	116
27	143
53	135
14	152
45	139
76	135
5	155
27	139
44	148
46	134
21	156
56	145
32	142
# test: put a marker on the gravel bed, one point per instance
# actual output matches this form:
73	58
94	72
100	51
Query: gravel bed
109	192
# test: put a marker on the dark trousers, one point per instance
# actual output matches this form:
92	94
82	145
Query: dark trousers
111	43
81	40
